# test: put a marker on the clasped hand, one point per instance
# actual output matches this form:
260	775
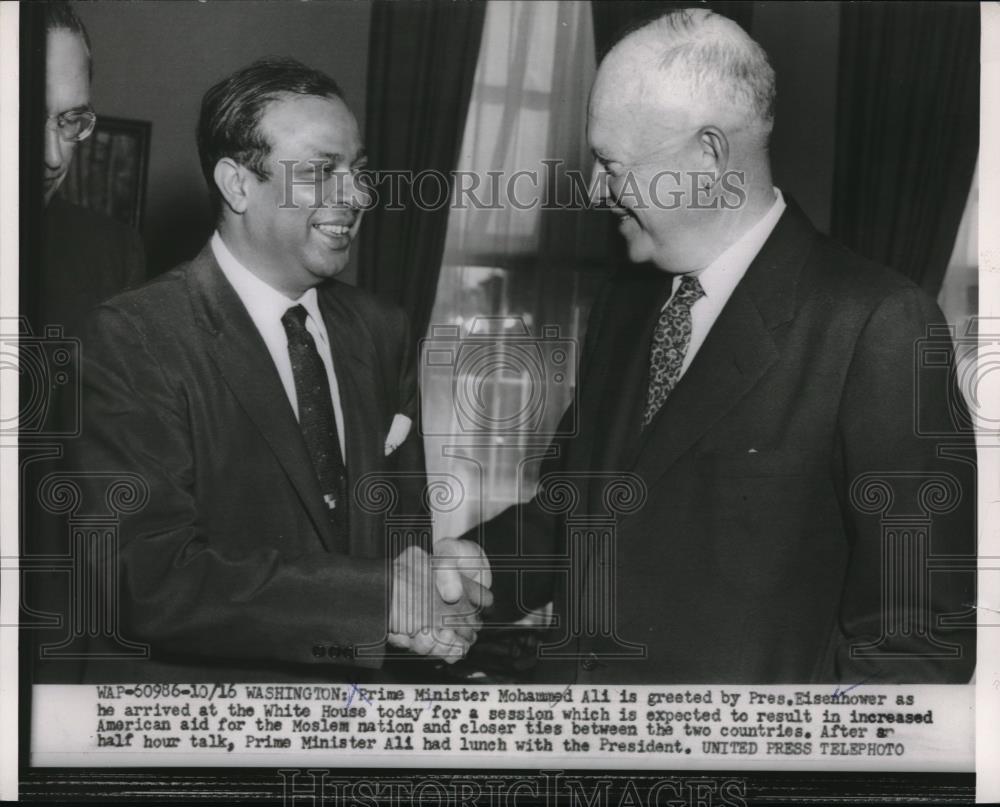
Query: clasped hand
437	599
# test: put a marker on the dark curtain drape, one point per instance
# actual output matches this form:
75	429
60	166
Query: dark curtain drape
32	93
421	67
907	132
30	161
613	18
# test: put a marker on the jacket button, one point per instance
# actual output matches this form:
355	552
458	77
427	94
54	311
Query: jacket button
590	663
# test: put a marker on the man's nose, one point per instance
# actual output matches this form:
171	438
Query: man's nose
55	149
599	192
352	191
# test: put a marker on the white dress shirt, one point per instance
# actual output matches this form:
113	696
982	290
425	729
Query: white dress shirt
266	306
720	277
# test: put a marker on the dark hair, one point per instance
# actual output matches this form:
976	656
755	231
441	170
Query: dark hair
59	16
229	123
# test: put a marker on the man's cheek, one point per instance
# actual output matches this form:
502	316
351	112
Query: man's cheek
304	197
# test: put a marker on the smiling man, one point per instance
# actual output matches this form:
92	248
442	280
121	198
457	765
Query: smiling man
756	384
252	392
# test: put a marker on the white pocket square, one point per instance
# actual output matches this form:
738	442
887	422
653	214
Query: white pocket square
397	433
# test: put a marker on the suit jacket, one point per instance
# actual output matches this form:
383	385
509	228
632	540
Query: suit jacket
86	258
229	570
83	258
781	476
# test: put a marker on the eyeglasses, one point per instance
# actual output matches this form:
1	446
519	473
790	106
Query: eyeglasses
74	125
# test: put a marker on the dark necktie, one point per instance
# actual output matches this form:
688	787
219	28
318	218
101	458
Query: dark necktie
670	344
317	419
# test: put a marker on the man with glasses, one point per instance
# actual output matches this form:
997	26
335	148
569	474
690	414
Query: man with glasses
80	259
86	257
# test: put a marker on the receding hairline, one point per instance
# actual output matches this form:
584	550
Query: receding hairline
59	16
684	26
290	96
709	56
49	32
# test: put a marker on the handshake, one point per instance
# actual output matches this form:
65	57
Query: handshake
437	599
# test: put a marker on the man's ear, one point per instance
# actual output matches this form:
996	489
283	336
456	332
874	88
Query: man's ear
714	151
232	180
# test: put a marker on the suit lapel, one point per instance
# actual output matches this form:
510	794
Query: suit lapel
737	351
625	369
354	360
245	363
739	348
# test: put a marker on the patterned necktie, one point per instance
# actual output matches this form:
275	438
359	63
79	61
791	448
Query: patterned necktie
670	344
316	417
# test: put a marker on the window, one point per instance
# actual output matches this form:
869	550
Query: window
523	259
959	295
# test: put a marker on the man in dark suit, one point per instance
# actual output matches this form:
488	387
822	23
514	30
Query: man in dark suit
258	409
78	258
86	257
745	417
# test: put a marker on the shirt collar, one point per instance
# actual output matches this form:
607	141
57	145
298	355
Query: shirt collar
265	304
720	277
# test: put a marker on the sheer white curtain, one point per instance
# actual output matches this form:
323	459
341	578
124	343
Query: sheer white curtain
528	106
959	295
518	252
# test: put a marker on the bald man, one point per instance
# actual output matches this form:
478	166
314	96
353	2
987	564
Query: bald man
753	384
86	256
83	258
